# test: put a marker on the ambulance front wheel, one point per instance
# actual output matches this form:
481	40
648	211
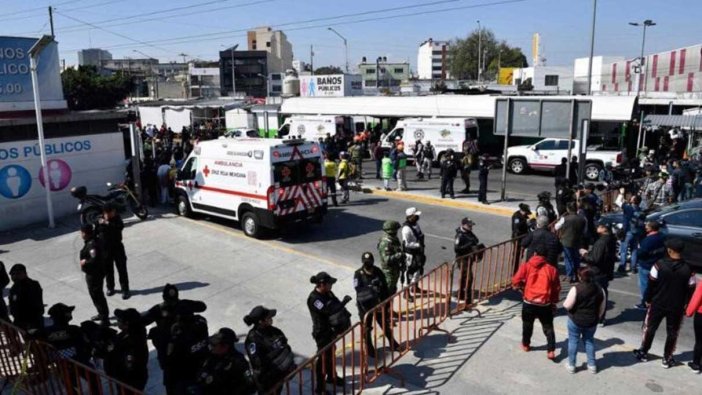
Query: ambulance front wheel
183	206
251	225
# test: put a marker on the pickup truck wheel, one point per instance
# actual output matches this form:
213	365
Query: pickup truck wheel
592	171
517	166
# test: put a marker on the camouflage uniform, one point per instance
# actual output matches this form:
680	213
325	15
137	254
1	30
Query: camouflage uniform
391	255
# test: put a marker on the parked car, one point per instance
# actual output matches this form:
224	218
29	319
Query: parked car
683	220
547	154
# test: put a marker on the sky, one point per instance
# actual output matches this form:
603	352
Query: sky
165	29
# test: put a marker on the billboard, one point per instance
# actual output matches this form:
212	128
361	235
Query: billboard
89	160
331	85
541	117
506	75
15	78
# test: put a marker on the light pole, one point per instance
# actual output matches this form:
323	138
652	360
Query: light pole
642	61
231	51
480	44
151	73
34	53
592	49
346	46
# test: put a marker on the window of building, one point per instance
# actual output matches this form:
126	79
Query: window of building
436	53
436	68
276	88
399	70
382	69
268	44
369	83
276	77
370	71
551	80
395	82
253	44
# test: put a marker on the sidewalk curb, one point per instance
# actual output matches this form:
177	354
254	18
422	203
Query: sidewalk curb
413	197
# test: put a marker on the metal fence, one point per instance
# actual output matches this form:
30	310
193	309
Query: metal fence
34	367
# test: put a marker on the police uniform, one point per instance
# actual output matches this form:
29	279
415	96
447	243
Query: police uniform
268	350
465	242
545	207
227	373
392	259
371	289
329	319
483	171
26	301
520	222
4	281
128	357
91	256
111	238
186	350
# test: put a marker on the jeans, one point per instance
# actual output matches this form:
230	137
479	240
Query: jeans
344	184
643	282
378	166
544	314
571	258
631	241
697	351
575	333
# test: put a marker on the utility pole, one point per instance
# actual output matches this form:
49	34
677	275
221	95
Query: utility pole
346	46
592	51
480	51
51	20
642	61
312	59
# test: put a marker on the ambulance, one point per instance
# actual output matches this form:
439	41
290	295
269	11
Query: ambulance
444	133
317	127
262	183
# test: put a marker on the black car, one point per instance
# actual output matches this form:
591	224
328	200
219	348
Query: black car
683	220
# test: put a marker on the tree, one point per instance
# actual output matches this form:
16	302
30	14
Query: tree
464	55
85	89
328	70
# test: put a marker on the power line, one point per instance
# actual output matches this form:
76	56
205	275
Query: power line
34	9
12	19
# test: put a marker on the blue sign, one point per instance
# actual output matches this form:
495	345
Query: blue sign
15	76
15	181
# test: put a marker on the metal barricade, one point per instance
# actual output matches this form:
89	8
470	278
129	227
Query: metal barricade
394	326
485	273
35	367
341	360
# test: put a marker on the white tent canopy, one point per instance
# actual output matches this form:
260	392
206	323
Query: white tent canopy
604	108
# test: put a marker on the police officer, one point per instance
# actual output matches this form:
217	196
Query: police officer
520	220
545	207
371	289
4	281
226	370
128	359
329	319
392	259
110	234
26	300
164	315
186	350
91	264
413	246
449	170
269	352
466	242
483	171
564	195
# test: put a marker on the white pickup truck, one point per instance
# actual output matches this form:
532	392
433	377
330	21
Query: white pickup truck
547	154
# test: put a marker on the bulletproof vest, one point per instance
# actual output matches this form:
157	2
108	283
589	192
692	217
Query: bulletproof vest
551	213
62	340
280	355
417	234
369	291
340	318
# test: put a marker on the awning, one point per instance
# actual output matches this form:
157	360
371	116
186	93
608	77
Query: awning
675	121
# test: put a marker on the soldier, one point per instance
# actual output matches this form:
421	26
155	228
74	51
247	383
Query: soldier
329	319
110	230
483	171
413	246
127	360
392	259
371	289
4	281
268	350
564	195
186	350
466	242
225	371
520	220
92	265
545	207
26	300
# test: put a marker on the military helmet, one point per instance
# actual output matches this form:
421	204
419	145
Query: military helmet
545	195
391	225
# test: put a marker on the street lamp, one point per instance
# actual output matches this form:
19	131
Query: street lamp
34	53
151	73
346	46
642	60
231	51
480	42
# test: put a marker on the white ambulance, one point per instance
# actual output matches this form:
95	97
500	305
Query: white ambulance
315	127
262	183
444	133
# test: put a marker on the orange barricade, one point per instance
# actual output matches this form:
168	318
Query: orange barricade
341	360
35	367
394	326
485	273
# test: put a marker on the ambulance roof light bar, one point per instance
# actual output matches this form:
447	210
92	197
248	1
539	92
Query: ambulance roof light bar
294	140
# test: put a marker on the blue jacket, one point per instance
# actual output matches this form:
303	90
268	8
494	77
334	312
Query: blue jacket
651	250
630	212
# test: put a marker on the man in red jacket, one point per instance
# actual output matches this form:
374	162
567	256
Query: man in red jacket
541	287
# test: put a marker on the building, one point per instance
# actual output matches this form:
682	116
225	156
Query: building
251	70
549	79
433	60
580	70
93	57
383	74
139	67
204	79
276	43
171	71
331	85
301	67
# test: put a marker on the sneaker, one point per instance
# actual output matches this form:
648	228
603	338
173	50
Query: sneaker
667	363
695	367
526	348
570	368
640	355
551	355
601	323
110	292
126	295
592	369
640	306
